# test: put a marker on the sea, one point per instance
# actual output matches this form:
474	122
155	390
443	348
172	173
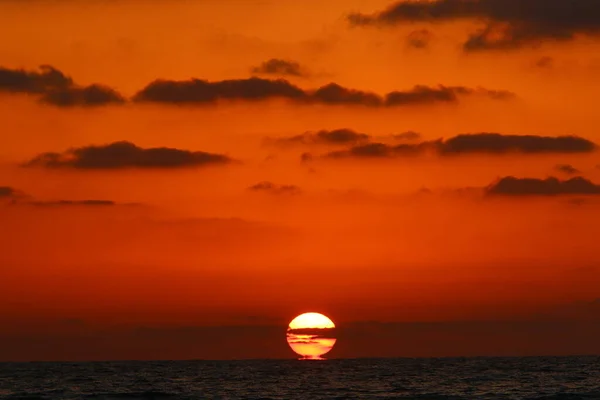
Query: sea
536	378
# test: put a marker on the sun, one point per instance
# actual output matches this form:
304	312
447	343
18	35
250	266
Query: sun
311	335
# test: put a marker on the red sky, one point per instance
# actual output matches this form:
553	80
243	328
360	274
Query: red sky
179	179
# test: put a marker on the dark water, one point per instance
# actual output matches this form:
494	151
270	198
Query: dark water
470	378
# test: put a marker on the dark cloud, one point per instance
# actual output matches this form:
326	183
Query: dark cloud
197	91
313	332
441	94
370	150
561	336
276	66
567	169
509	24
200	91
61	203
273	188
21	81
336	94
545	62
126	155
511	186
306	157
477	143
408	136
55	88
499	143
426	94
419	39
342	136
382	150
20	198
89	96
303	341
7	191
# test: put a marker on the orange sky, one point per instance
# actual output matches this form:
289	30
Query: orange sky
265	234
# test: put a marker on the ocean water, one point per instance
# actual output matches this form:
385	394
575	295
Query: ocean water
457	378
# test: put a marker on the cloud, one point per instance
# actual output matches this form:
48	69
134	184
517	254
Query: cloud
55	88
567	169
476	143
419	39
544	62
20	198
43	81
313	332
408	136
196	91
200	91
573	334
511	186
306	157
336	94
342	136
61	203
499	143
441	94
272	188
370	150
277	66
509	24
89	96
7	191
126	155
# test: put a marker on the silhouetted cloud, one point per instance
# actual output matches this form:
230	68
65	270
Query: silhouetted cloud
408	135
419	39
55	88
567	169
511	186
200	91
61	203
303	341
499	143
306	157
313	332
7	191
21	81
370	150
457	339
476	143
19	198
93	95
126	155
273	188
441	94
342	136
382	150
277	66
544	62
197	91
336	94
509	24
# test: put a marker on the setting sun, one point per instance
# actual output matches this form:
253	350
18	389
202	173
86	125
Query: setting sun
311	320
311	335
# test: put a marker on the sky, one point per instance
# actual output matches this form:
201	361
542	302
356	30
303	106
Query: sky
179	179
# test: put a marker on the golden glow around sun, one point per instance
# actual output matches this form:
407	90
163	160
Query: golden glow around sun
311	335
